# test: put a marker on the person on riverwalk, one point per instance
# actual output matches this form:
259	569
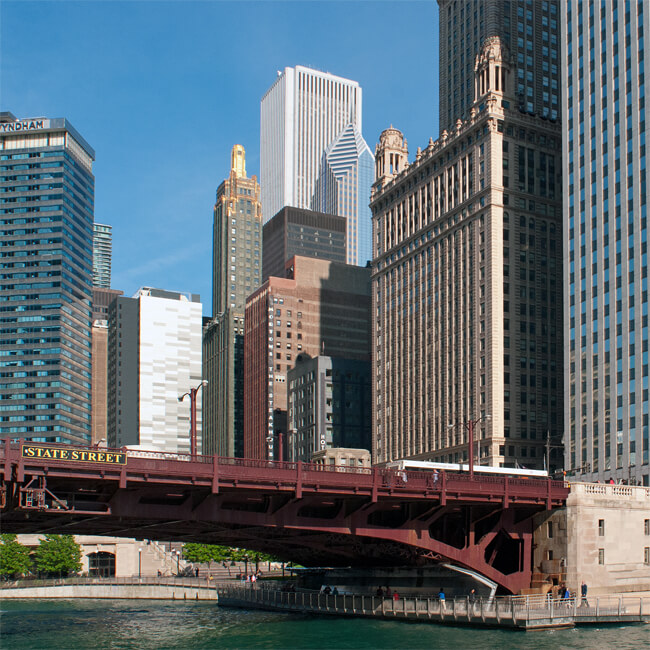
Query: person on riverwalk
380	592
441	597
196	572
389	593
395	596
583	593
472	599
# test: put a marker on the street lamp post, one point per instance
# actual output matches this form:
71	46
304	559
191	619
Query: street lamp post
140	562
192	393
469	425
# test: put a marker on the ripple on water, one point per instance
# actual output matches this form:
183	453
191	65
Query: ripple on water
165	625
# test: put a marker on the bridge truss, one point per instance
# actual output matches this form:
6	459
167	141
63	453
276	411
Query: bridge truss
309	514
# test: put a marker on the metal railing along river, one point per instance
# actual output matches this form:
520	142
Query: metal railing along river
525	612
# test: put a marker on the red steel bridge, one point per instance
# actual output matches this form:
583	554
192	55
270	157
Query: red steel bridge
310	514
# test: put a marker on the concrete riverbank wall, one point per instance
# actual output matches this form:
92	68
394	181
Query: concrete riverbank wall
171	590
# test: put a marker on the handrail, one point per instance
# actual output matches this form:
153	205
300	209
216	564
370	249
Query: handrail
515	610
400	479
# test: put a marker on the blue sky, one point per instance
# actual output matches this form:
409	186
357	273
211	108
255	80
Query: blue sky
163	90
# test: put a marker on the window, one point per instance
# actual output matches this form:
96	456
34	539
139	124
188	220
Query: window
646	526
550	529
601	556
646	555
601	528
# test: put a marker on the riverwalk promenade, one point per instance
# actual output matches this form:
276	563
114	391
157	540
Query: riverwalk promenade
155	588
516	612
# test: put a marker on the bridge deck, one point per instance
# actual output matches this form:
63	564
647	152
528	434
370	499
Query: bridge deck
310	514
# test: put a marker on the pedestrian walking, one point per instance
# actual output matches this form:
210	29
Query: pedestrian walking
442	599
583	593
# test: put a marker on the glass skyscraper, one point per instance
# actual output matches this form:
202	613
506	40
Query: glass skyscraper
102	250
46	267
343	188
606	240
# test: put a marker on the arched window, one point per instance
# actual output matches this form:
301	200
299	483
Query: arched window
101	564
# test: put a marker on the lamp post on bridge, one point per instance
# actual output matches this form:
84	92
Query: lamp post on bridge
192	393
469	425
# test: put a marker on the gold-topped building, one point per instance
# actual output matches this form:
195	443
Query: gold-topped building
236	273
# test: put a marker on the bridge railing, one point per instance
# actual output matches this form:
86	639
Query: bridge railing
414	480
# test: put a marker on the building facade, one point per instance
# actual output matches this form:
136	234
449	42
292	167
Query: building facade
466	274
236	273
223	366
295	231
154	357
328	406
583	540
319	307
102	254
343	187
605	240
46	267
312	153
530	30
237	237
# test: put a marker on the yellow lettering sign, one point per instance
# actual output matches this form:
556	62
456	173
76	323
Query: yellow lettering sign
78	455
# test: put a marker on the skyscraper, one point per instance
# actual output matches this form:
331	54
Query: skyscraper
102	251
318	307
237	237
466	274
303	115
154	357
343	188
236	273
46	264
293	231
605	240
530	31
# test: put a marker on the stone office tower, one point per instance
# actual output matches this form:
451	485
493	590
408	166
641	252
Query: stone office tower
466	279
237	269
606	240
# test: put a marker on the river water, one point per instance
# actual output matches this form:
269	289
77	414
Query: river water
147	625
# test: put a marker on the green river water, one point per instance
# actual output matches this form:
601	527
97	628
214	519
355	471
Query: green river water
146	624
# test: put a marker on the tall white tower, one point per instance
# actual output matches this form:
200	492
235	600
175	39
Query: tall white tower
302	114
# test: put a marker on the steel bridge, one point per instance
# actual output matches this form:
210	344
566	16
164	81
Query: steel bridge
310	514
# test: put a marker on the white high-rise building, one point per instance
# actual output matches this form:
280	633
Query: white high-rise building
605	192
303	114
155	350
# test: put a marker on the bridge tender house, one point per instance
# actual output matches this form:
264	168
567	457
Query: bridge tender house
80	455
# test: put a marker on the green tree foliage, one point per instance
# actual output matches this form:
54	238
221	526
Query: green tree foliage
205	553
14	557
58	554
208	553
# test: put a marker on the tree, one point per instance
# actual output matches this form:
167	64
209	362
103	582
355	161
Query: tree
205	553
14	557
58	554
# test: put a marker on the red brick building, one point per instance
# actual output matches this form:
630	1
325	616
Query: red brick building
320	307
